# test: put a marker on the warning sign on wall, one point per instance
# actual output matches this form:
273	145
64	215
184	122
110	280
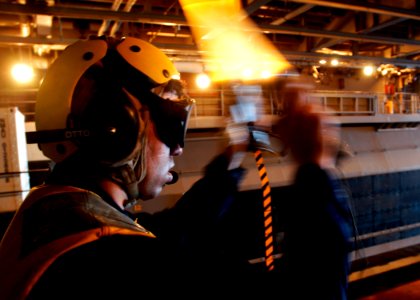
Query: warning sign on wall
14	176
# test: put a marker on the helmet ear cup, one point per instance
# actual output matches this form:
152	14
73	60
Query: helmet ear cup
113	123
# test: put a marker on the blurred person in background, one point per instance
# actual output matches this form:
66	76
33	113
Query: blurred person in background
316	219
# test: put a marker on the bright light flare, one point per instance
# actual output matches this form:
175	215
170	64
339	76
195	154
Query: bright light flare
368	70
202	81
22	73
266	74
231	42
176	76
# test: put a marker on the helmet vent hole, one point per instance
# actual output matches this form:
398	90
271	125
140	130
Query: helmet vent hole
88	56
135	48
61	149
165	73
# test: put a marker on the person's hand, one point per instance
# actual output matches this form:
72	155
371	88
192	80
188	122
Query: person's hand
300	133
239	140
304	132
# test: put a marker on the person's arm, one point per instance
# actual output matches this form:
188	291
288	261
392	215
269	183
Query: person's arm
206	203
211	197
197	229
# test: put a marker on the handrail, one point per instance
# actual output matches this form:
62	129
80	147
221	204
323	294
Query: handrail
339	103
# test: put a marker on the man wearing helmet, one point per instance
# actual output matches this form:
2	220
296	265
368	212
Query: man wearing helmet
112	140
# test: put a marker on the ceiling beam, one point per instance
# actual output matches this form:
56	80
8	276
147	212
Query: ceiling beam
182	50
365	31
337	35
60	43
365	7
96	14
292	14
310	57
91	14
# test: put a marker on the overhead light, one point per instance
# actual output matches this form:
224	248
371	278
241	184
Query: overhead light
368	70
44	24
334	52
247	73
334	62
25	29
22	73
202	81
266	74
390	70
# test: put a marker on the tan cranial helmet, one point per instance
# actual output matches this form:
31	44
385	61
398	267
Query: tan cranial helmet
127	66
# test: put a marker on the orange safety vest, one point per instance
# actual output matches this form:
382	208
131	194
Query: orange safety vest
19	273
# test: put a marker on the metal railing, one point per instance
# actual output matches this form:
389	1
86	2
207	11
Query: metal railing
339	103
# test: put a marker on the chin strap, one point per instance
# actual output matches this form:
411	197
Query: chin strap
126	178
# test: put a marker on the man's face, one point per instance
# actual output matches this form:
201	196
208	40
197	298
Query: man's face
159	161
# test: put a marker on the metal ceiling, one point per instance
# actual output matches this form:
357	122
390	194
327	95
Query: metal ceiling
380	31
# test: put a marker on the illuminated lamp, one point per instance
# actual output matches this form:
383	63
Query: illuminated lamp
202	81
22	73
368	70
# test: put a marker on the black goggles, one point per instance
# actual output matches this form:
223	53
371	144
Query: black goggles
170	117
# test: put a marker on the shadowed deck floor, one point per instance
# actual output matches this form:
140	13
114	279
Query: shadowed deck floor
394	275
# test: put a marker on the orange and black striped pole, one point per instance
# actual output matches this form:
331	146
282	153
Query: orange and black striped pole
268	220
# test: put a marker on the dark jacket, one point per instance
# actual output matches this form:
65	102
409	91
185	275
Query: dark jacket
318	232
119	257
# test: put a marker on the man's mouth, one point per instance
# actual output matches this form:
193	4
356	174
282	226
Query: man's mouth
175	177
